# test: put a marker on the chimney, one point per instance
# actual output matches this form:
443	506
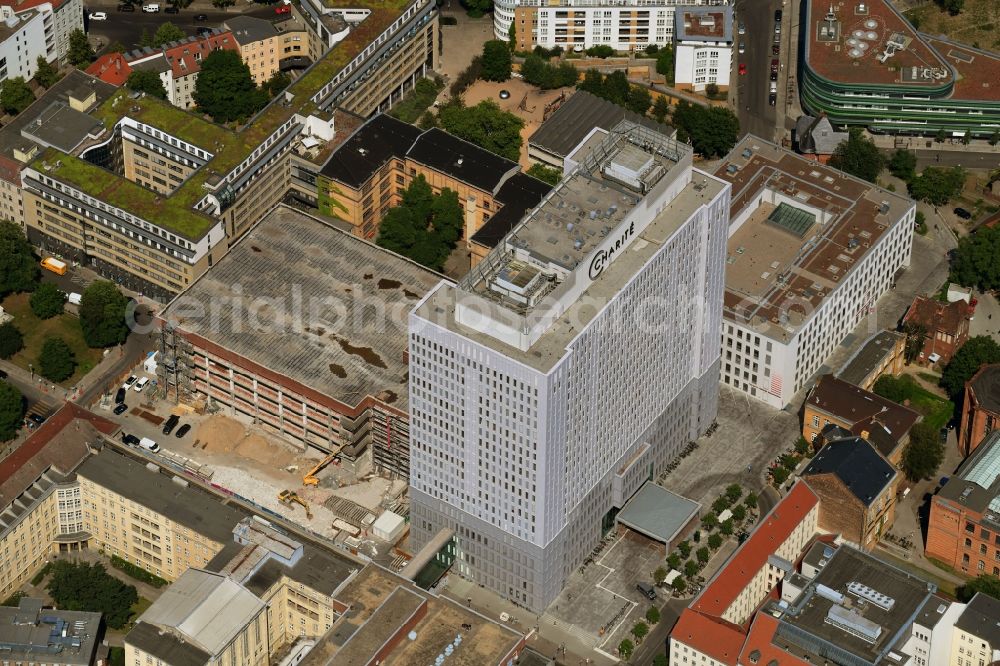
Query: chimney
864	434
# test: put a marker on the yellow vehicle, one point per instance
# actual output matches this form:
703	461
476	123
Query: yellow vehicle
290	497
54	265
310	478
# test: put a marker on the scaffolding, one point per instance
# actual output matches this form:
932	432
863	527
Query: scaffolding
175	369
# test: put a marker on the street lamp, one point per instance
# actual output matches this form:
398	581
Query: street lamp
31	369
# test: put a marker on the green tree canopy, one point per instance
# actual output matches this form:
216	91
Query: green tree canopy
425	226
476	8
18	266
89	587
45	73
986	583
147	81
660	574
640	630
625	649
739	513
600	51
858	156
751	500
56	361
975	262
102	314
639	100
665	63
225	90
679	584
923	453
544	173
691	568
712	131
660	660
222	4
903	164
971	356
547	76
937	186
953	7
279	81
653	615
11	411
16	95
714	541
702	554
166	33
496	61
80	54
661	108
685	548
47	301
734	492
486	125
11	340
915	335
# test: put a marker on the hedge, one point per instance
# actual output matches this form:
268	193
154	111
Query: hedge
137	572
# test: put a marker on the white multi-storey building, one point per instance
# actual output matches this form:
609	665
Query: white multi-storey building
810	251
624	25
703	51
22	41
574	362
61	18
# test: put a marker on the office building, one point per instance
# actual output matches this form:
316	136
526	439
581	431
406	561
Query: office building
631	25
532	361
60	17
23	39
881	354
865	65
703	47
810	252
32	634
329	369
963	530
980	408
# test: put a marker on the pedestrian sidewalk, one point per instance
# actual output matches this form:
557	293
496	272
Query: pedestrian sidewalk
890	141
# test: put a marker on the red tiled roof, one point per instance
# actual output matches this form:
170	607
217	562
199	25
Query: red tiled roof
748	559
760	640
29	4
111	68
937	316
185	58
719	640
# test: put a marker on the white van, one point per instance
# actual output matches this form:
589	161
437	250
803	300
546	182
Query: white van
149	445
75	298
141	384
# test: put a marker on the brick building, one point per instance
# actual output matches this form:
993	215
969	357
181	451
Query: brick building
947	326
980	408
856	487
964	526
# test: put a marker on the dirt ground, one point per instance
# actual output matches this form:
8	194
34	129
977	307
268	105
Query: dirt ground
525	101
974	25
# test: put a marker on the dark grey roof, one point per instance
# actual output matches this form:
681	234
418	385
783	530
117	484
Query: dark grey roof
817	136
657	512
986	385
159	64
869	357
372	145
248	29
62	127
856	463
519	194
976	483
190	506
578	116
166	647
932	611
318	569
981	618
461	160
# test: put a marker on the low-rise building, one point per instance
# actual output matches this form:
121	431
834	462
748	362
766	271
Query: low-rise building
30	633
946	326
856	488
816	138
703	47
660	515
980	408
963	529
884	423
882	354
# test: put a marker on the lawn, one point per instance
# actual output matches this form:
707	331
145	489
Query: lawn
35	331
975	25
936	410
139	607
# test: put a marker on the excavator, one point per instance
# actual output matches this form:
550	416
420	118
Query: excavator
310	478
289	497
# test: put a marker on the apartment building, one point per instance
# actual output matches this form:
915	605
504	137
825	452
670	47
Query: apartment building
504	376
976	638
631	25
703	47
61	18
963	530
311	378
267	47
204	185
980	408
23	39
810	252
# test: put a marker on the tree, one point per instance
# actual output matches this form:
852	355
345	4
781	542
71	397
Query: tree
47	301
80	54
953	7
702	554
660	574
546	76
222	4
691	569
915	335
166	33
16	95
665	63
280	80
739	513
11	411
779	475
994	138
709	520
653	615
225	90
18	265
102	314
714	541
600	51
89	587
638	100
923	453
733	492
546	174
640	630
476	8
892	388
971	356
967	137
858	156
496	60
726	527
985	583
425	226
751	500
428	120
661	108
937	186
115	47
45	74
486	125
974	262
679	583
56	361
903	164
147	81
625	649
658	660
720	504
685	548
652	49
712	131
711	90
11	340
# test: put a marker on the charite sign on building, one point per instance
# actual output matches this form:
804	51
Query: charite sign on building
604	255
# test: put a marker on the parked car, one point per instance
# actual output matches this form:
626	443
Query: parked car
777	16
742	29
97	16
120	409
943	434
171	423
743	68
152	8
774	64
129	382
647	590
772	98
120	395
774	76
141	384
201	17
743	47
149	444
962	213
130	440
283	9
126	7
171	9
37	419
183	430
775	49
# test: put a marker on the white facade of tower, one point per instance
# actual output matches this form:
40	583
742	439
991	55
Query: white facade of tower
572	366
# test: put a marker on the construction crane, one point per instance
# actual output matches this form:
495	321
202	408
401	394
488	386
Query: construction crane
310	478
291	497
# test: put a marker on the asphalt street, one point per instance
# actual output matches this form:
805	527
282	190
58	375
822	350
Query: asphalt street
760	117
655	641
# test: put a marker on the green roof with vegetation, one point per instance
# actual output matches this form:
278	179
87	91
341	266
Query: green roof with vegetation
230	147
